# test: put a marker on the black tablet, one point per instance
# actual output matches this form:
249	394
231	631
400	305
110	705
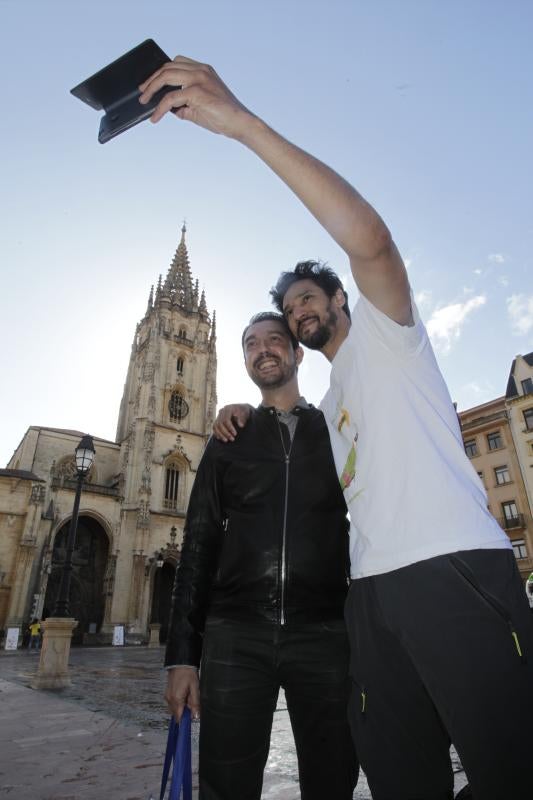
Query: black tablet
115	89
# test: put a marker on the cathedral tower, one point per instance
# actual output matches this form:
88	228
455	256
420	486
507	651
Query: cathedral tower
171	378
166	416
134	500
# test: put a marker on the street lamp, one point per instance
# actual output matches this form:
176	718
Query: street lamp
84	460
53	663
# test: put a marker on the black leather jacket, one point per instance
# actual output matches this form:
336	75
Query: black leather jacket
266	534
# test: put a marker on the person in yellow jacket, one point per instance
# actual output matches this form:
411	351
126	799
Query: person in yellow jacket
35	634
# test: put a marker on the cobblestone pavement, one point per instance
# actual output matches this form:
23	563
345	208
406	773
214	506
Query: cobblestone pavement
126	685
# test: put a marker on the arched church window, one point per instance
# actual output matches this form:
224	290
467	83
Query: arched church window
177	407
172	477
182	333
179	366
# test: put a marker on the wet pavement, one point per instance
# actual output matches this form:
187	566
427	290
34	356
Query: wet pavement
126	685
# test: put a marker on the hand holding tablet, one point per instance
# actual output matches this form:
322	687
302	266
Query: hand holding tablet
115	89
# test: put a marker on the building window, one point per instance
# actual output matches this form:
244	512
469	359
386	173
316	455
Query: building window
528	418
177	407
519	548
179	366
471	448
495	440
511	517
172	477
527	386
502	475
182	333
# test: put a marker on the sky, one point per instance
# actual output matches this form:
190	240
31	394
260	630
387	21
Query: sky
425	107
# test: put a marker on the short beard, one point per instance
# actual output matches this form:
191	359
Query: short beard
275	381
321	336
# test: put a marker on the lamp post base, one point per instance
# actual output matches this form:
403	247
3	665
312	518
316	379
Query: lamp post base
154	635
53	664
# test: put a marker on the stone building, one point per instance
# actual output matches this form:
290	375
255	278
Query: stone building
134	500
519	402
490	445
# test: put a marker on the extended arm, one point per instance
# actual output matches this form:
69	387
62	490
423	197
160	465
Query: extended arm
376	264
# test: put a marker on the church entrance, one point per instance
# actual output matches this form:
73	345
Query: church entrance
86	597
161	598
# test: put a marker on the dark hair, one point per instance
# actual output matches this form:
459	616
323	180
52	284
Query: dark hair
265	316
315	271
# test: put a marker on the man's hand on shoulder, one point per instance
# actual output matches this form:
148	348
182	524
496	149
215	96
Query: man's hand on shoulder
183	689
229	418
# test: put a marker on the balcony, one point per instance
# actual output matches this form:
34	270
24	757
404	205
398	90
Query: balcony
183	340
512	523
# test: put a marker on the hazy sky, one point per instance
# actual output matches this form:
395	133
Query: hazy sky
425	106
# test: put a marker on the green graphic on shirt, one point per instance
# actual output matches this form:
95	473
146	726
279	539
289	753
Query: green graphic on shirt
348	472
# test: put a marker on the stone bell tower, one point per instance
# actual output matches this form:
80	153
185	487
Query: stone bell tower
171	378
166	415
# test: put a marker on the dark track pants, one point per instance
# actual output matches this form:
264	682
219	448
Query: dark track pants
243	667
435	657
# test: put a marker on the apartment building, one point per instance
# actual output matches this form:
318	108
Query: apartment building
519	403
490	444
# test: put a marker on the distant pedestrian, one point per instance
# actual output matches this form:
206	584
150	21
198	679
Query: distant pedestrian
35	634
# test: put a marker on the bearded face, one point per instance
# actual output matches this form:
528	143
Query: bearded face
311	314
269	371
271	361
314	332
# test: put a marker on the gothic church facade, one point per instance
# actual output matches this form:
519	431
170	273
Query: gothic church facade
134	500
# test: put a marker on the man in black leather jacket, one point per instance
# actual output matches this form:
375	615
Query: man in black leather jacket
260	589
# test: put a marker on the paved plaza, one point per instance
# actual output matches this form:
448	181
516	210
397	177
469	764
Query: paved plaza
105	735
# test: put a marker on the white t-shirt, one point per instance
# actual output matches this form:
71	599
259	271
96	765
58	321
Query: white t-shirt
411	490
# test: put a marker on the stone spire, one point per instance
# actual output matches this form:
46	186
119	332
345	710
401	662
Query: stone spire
202	308
213	334
150	302
159	289
178	283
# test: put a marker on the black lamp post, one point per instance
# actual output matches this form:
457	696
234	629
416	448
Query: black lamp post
84	461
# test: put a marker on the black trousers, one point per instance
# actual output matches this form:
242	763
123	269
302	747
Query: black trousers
243	667
443	651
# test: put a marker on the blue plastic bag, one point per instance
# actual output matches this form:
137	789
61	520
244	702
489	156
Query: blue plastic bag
178	756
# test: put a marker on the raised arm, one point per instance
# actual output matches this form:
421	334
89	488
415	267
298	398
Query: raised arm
376	264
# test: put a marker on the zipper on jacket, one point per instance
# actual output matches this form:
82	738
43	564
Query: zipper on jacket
283	577
284	542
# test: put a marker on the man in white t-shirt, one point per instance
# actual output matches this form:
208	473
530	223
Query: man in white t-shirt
440	631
